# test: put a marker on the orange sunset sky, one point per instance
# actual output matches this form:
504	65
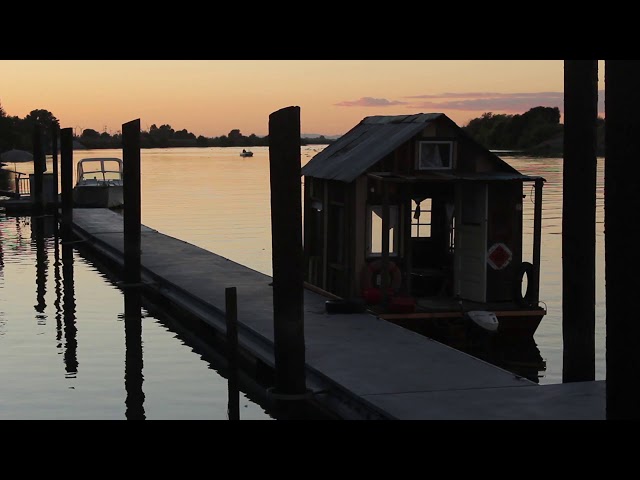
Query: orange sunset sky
212	97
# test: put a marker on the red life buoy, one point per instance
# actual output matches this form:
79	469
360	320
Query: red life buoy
373	269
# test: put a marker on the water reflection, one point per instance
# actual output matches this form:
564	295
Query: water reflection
520	356
57	264
231	308
133	377
69	307
42	266
70	287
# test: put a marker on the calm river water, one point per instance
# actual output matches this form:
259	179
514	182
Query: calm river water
63	353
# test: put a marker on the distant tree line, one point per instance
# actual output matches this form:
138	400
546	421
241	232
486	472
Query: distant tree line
537	131
17	133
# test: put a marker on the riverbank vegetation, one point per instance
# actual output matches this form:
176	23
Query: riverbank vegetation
16	132
535	132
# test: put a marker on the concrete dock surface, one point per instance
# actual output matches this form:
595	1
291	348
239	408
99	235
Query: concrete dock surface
357	365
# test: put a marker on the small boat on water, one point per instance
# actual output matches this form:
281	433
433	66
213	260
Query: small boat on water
99	183
246	153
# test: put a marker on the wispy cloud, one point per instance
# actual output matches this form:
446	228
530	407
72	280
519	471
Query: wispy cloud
496	102
493	101
370	102
474	95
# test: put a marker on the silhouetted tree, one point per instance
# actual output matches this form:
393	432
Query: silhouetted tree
235	137
89	133
523	132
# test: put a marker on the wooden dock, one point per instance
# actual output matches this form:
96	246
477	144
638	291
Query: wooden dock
357	365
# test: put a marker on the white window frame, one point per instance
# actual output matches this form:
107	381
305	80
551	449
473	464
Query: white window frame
448	165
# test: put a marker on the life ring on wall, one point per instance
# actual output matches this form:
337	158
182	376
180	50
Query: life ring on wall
373	269
527	299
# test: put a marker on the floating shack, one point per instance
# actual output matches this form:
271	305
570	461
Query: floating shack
412	217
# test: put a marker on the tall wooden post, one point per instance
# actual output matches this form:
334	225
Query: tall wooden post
132	207
66	172
286	220
39	166
579	220
622	255
537	239
55	132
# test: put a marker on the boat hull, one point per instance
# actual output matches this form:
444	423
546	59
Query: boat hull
98	196
453	327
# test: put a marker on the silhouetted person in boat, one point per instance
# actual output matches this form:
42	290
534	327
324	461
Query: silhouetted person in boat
244	151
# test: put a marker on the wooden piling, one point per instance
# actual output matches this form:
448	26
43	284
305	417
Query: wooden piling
55	133
132	206
231	307
286	228
39	166
622	255
66	173
537	240
579	220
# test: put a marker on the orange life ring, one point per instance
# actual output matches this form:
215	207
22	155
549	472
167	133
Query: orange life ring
374	268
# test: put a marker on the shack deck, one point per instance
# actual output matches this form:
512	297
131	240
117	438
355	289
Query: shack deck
358	366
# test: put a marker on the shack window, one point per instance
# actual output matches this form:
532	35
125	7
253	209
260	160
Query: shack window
435	155
421	218
374	230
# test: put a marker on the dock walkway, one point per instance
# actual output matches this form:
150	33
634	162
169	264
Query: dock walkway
359	366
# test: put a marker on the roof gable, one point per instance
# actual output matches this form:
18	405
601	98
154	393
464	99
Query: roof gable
364	145
374	138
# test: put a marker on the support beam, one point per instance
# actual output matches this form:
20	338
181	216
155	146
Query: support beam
66	172
622	255
55	133
39	166
579	220
286	228
132	205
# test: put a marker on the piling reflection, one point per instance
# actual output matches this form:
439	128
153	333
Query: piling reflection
1	256
69	307
518	355
233	405
42	266
133	377
57	264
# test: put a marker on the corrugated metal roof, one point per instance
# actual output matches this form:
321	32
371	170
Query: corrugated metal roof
364	145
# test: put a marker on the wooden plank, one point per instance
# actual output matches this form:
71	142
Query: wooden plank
320	291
